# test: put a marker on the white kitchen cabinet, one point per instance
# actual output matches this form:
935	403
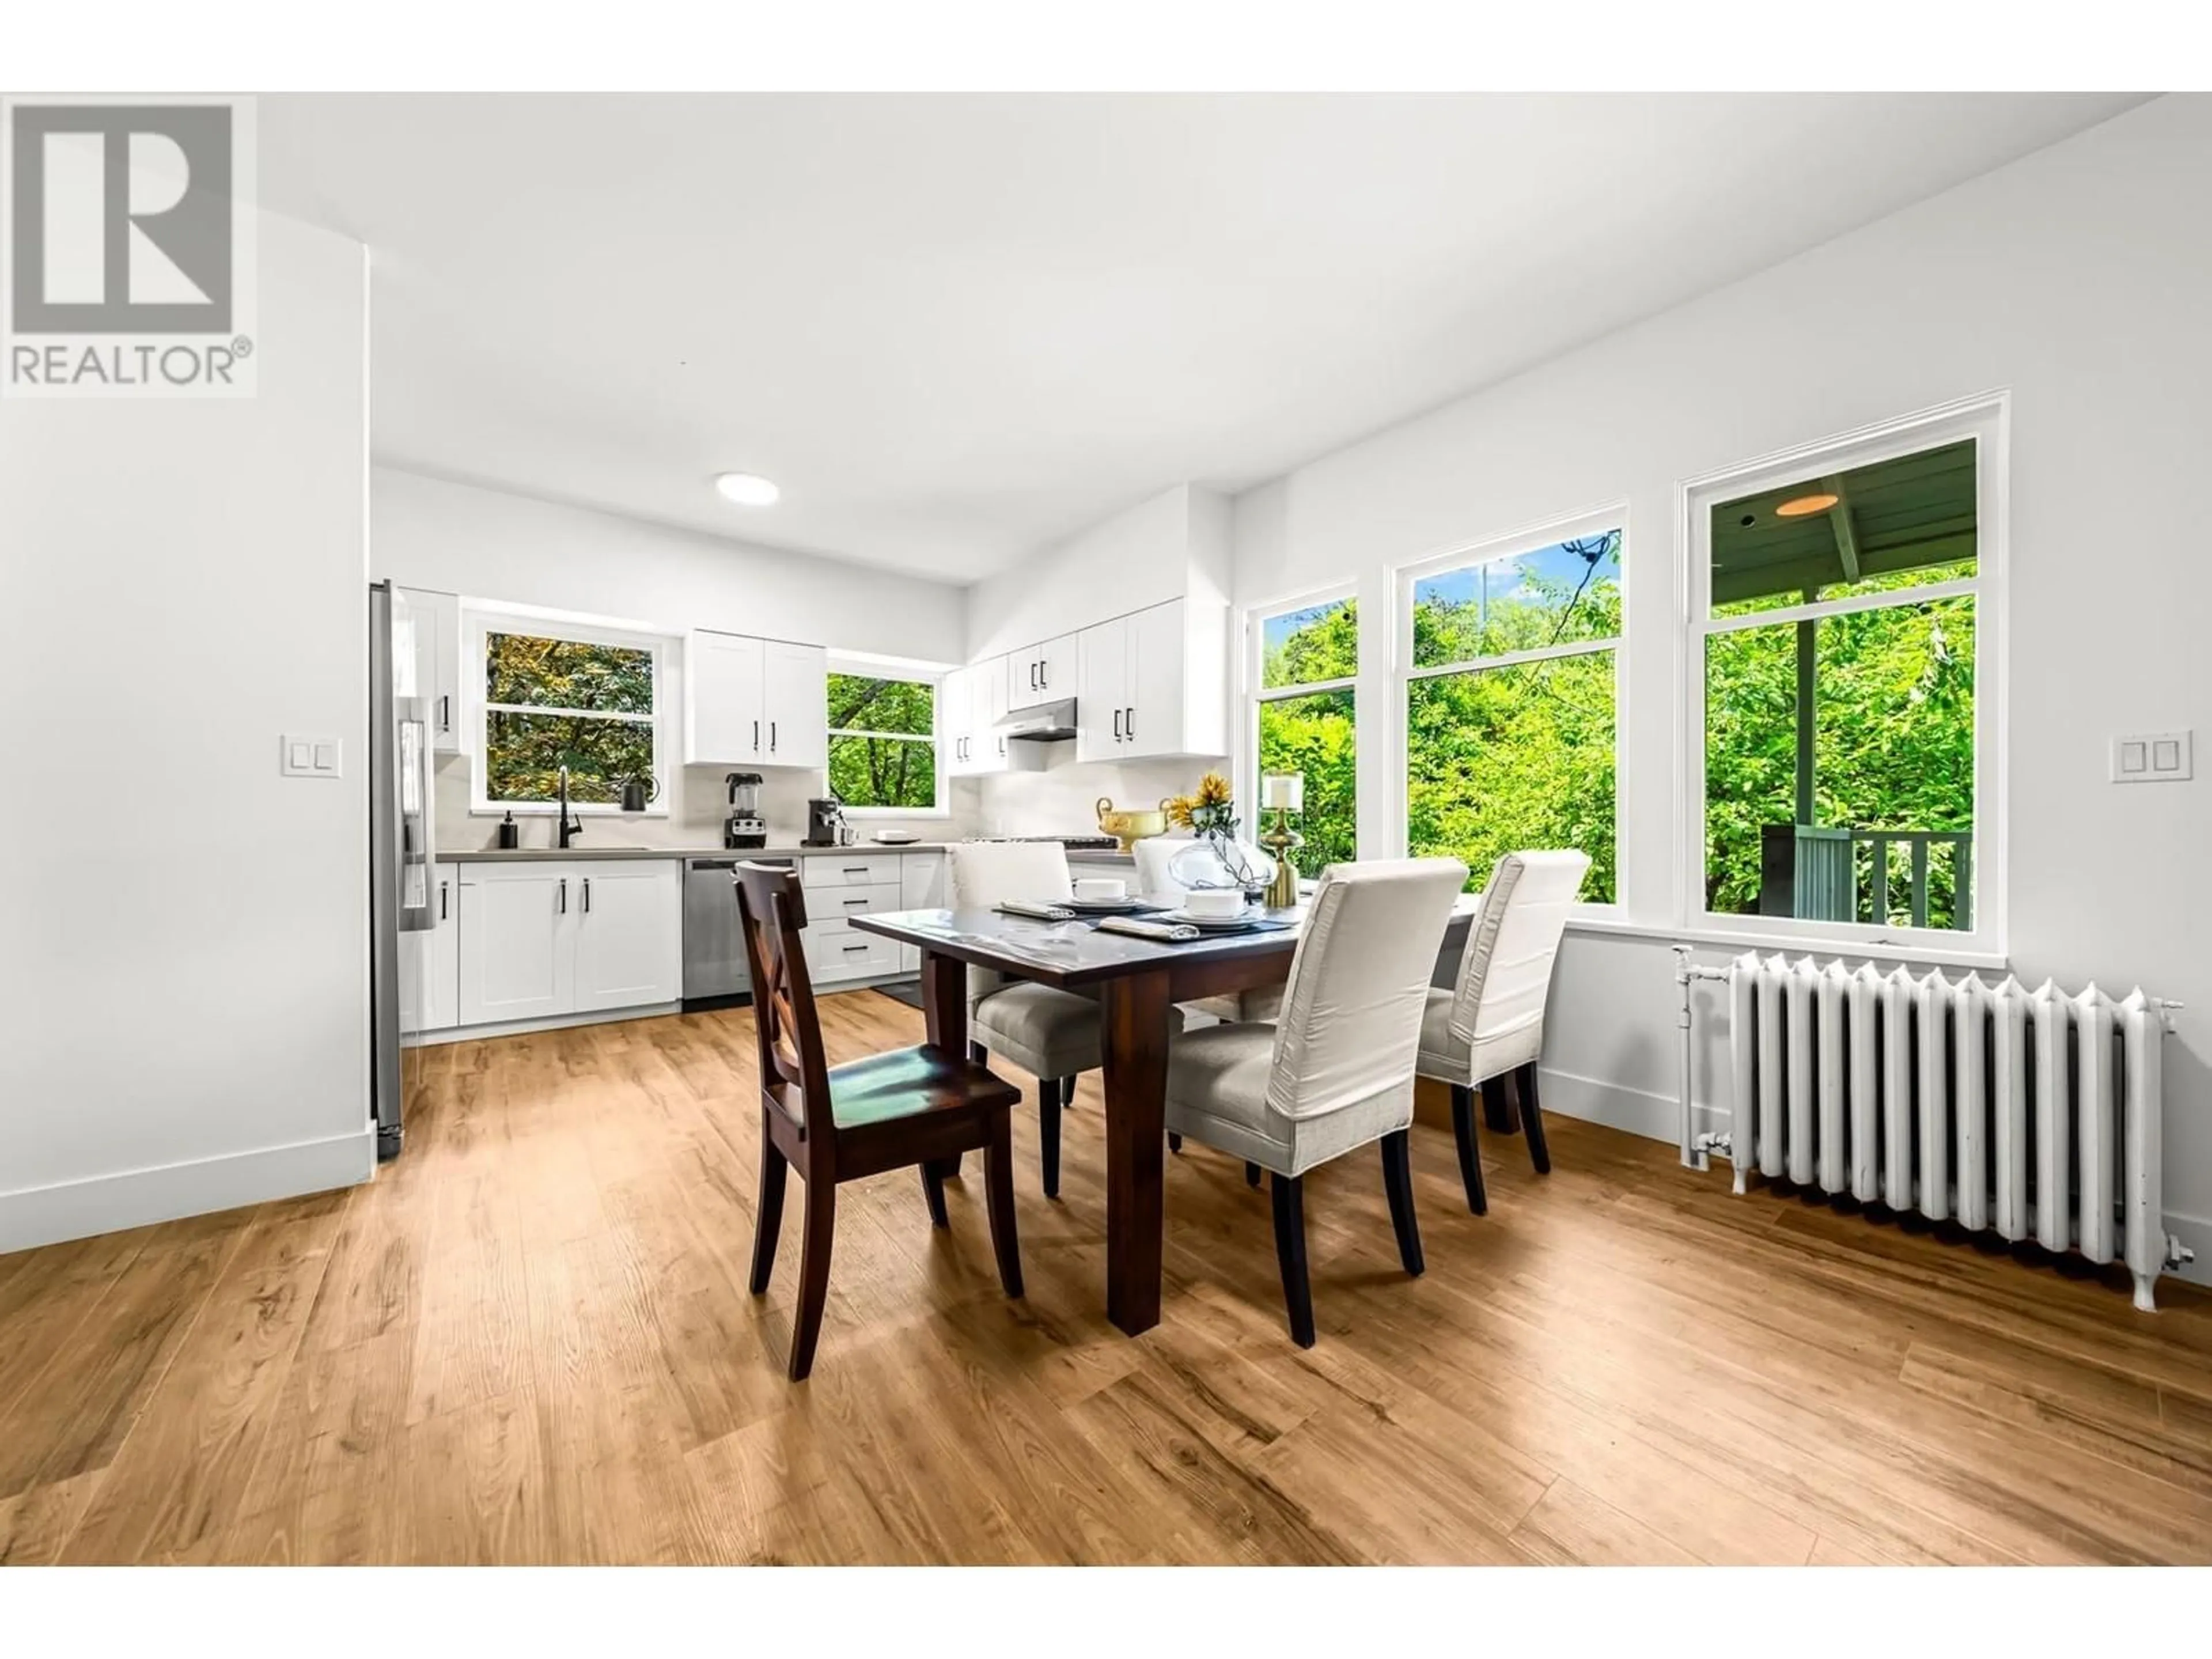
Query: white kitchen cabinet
430	961
978	702
627	924
518	955
921	887
432	669
795	693
538	940
761	702
1041	673
725	698
1154	682
1102	695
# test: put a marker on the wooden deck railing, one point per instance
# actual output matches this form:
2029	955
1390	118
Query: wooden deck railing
1813	871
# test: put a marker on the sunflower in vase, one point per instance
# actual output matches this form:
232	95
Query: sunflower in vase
1210	814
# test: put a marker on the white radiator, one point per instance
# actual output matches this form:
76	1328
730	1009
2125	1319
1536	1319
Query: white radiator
2031	1113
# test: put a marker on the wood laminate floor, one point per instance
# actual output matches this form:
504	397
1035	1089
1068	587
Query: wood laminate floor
529	1340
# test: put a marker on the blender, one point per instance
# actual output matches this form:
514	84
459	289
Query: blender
744	826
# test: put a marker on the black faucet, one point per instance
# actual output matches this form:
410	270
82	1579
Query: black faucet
570	828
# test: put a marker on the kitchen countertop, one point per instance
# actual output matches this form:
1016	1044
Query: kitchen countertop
590	853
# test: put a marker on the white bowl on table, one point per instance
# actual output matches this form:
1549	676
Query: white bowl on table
1214	903
1098	889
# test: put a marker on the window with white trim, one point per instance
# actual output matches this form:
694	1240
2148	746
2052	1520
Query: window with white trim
884	752
1842	694
1507	678
557	694
1306	720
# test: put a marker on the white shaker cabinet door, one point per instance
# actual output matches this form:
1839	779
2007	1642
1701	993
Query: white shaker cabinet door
795	702
627	921
1152	719
517	952
724	712
1102	694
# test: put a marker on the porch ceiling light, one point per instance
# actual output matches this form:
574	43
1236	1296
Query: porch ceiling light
1798	507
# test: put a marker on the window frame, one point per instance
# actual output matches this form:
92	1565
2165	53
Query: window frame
856	667
1985	418
477	709
1407	576
1253	692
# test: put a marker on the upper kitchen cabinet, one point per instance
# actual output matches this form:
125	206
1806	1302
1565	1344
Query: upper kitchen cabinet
761	701
1039	674
795	691
432	669
1154	682
975	701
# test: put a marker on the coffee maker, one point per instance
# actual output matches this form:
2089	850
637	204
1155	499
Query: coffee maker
825	823
744	826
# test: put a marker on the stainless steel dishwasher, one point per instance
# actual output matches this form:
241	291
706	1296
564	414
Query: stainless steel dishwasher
714	974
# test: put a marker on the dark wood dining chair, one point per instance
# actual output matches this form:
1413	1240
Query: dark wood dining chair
921	1106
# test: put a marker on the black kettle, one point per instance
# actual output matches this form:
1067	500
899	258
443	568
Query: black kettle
637	793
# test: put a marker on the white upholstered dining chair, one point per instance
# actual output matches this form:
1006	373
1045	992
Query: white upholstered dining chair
1153	855
1335	1071
1489	1027
1053	1034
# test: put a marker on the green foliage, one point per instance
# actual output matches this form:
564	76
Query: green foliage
1313	735
882	747
524	751
1893	743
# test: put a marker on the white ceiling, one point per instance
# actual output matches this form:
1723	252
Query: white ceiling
957	328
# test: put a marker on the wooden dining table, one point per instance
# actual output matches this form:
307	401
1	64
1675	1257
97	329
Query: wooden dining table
1138	983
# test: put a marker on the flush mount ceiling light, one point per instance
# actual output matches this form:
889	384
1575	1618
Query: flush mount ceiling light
1798	507
746	489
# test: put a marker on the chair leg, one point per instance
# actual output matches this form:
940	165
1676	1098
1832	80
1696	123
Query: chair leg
768	1214
1398	1185
932	1192
1067	1093
979	1054
1288	1193
1049	1099
1175	1141
1470	1160
1251	1175
813	1275
999	1200
1497	1114
1532	1117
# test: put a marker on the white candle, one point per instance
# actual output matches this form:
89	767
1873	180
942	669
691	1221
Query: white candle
1286	790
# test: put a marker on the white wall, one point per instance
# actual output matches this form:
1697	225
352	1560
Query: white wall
1175	543
2077	277
487	544
184	996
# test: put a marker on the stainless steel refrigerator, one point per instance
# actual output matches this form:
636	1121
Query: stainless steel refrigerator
401	851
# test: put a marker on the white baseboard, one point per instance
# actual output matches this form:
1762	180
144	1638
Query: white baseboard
137	1198
1640	1112
551	1023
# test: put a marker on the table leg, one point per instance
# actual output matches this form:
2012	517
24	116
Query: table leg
1134	1018
945	1001
944	1008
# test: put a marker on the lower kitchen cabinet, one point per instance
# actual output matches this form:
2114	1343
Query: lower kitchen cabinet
430	963
541	940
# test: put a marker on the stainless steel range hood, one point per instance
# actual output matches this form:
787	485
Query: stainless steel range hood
1047	722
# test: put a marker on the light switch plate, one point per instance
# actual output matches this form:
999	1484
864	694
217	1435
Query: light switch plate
2153	757
310	757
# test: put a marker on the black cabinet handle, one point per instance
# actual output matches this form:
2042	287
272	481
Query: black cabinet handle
852	950
1045	676
771	737
855	903
757	737
441	900
564	896
1131	725
446	714
588	895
